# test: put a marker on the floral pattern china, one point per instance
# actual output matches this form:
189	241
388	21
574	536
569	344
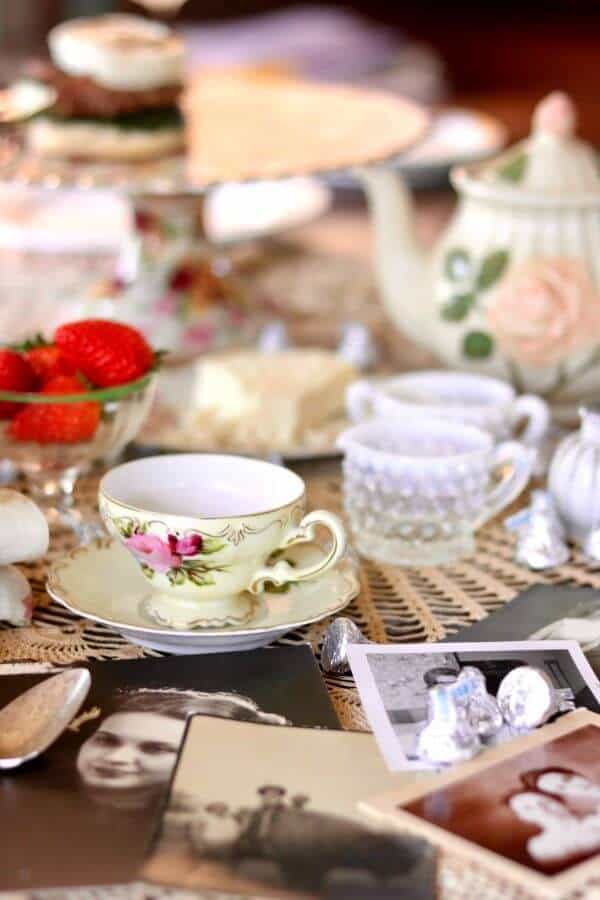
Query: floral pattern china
181	558
513	287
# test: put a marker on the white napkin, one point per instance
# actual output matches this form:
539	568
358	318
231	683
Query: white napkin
585	631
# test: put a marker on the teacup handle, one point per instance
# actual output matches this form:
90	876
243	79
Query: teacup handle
537	414
282	572
359	400
520	461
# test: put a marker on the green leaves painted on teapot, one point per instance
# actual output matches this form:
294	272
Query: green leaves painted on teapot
472	278
492	268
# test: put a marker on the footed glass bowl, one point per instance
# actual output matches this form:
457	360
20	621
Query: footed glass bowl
51	467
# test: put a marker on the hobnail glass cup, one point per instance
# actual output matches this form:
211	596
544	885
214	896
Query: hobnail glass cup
416	492
51	469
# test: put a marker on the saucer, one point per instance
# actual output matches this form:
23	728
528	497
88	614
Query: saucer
102	582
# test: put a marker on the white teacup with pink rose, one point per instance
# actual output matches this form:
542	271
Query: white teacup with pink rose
210	531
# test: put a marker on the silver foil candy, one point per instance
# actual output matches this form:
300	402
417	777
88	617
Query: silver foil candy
527	698
482	710
540	544
448	736
357	346
591	547
334	649
543	502
273	337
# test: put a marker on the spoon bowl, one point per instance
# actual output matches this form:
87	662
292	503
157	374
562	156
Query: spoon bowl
30	723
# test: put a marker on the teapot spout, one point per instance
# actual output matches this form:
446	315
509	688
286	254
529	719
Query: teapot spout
400	261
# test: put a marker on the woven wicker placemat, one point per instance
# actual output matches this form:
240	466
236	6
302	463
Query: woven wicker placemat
394	605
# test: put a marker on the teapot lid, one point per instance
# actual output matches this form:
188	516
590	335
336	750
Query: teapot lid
551	165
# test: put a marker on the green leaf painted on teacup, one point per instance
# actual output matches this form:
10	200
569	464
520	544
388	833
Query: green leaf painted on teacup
491	269
457	264
212	545
176	577
478	345
147	571
514	169
125	526
200	579
458	307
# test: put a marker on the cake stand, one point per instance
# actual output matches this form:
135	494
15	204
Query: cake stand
171	281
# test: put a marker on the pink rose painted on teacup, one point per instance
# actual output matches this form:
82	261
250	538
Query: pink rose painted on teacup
162	555
545	310
153	552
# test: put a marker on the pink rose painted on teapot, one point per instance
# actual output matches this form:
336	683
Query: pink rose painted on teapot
545	310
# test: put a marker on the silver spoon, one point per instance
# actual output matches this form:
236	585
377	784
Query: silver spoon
34	720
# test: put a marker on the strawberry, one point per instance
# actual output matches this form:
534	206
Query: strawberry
48	361
57	423
15	375
106	352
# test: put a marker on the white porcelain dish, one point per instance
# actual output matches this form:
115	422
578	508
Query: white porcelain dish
114	599
98	222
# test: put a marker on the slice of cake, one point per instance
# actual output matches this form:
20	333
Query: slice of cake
270	400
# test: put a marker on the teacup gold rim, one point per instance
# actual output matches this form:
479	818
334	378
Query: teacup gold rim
104	495
228	518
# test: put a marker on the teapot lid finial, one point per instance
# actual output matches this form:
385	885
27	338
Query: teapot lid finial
555	115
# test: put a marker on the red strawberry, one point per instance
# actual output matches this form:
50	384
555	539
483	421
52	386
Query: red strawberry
15	375
48	361
107	353
57	423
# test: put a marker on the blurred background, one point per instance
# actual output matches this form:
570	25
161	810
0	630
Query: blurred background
499	55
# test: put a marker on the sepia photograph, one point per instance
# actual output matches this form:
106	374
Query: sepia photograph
530	808
108	773
257	810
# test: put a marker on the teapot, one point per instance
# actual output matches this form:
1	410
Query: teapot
512	289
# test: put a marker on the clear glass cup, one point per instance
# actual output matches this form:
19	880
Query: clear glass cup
415	492
51	469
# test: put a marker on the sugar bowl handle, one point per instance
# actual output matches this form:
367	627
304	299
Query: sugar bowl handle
282	573
537	415
517	462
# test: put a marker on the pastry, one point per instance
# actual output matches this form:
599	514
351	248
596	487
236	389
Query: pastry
270	401
118	79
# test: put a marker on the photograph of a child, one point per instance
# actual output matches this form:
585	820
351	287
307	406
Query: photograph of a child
540	808
85	811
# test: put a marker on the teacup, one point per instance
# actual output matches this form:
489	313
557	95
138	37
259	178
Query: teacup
203	527
478	400
416	491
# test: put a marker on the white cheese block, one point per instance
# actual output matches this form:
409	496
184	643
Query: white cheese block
118	51
274	397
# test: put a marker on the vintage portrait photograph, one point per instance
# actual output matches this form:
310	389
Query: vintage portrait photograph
109	773
534	803
268	811
393	682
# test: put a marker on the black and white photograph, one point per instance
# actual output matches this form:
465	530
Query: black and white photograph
108	773
259	810
394	684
